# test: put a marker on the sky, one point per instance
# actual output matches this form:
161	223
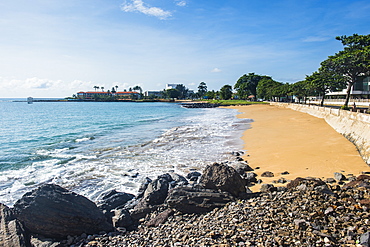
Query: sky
57	48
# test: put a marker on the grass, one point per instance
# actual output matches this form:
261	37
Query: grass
234	102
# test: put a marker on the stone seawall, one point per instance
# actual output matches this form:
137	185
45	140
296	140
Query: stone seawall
352	125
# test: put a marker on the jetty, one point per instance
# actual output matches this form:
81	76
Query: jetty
199	105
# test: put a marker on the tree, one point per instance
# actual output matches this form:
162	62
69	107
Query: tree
138	88
353	61
210	94
102	89
247	85
183	91
96	87
325	80
172	93
301	90
202	89
226	92
266	88
113	90
116	88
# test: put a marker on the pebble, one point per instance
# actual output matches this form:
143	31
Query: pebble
293	217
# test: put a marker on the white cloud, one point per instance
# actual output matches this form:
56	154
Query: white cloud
140	6
316	39
181	3
216	70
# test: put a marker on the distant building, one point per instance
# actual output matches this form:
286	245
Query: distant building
119	95
361	89
172	86
153	94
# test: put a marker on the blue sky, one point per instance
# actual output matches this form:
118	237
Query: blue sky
57	48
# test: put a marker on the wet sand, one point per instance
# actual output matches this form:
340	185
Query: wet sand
282	140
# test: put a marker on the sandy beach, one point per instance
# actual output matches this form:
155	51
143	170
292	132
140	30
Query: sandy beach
282	140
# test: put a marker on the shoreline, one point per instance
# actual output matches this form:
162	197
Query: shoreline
281	140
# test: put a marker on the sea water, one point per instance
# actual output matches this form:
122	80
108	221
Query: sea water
93	147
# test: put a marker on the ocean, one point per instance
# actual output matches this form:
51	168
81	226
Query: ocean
93	147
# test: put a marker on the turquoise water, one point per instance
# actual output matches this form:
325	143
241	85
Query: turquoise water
91	147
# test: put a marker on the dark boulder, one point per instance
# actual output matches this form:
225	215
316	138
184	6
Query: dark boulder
160	218
141	209
193	176
55	212
361	181
143	187
222	177
157	190
268	188
112	200
242	168
250	178
305	183
122	218
12	232
267	174
197	200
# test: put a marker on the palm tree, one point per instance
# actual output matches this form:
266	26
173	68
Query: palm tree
116	88
102	89
138	88
96	87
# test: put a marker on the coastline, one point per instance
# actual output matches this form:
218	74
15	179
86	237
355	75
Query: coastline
282	140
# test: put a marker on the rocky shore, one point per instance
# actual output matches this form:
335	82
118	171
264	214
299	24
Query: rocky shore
214	208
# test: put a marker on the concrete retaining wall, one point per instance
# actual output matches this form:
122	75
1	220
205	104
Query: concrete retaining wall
353	125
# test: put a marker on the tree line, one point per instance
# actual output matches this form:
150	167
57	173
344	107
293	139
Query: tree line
336	73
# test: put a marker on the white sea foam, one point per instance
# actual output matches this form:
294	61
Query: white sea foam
104	163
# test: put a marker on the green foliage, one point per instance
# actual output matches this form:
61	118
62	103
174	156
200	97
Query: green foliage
202	89
234	102
325	80
247	85
211	94
267	88
353	61
226	92
172	93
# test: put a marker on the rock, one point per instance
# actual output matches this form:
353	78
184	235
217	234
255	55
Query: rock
12	232
177	180
339	176
197	200
222	177
365	239
361	181
160	218
309	183
157	190
330	180
300	224
55	212
267	174
141	209
122	218
42	242
193	176
284	173
143	187
112	200
242	168
267	188
250	178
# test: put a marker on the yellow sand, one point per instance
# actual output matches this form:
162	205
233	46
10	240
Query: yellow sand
286	140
